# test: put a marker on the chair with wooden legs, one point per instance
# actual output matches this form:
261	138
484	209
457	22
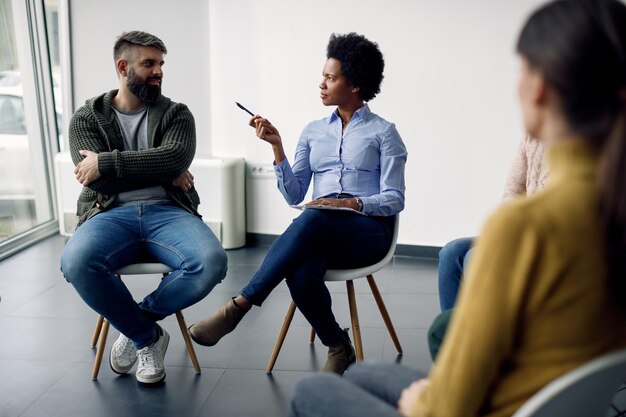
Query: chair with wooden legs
348	275
101	331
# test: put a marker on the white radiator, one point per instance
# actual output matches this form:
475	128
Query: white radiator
68	190
221	185
219	181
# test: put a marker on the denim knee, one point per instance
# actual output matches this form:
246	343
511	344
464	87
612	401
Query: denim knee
455	249
312	385
466	258
73	263
368	372
360	371
310	221
216	264
310	395
206	270
307	279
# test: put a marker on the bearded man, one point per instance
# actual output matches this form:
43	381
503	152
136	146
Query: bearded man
132	148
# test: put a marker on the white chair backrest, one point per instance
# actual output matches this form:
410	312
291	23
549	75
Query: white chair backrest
584	392
348	274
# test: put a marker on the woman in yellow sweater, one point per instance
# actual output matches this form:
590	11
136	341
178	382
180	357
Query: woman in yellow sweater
546	288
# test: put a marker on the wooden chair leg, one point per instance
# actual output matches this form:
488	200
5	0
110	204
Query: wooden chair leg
281	337
183	329
312	335
100	350
384	313
354	316
192	353
96	332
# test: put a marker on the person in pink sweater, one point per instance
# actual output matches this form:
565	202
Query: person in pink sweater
527	175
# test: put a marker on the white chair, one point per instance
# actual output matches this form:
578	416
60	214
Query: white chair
583	392
348	275
101	331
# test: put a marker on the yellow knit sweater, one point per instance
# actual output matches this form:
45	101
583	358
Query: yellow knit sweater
534	303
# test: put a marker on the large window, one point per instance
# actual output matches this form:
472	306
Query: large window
30	119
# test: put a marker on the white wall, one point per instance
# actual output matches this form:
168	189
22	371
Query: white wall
449	86
182	26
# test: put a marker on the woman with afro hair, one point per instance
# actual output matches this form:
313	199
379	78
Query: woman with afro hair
356	160
545	291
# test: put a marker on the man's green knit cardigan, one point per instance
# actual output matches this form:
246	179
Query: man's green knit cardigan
172	145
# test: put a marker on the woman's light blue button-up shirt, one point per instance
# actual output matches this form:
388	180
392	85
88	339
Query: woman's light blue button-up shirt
366	160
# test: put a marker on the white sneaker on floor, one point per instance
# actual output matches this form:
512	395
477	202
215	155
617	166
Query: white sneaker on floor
123	355
150	368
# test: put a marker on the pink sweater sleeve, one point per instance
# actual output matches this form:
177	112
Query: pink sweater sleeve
529	171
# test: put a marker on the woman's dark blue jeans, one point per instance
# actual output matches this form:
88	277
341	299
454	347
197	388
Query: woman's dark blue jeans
316	241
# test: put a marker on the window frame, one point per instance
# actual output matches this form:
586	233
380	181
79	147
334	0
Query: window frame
33	53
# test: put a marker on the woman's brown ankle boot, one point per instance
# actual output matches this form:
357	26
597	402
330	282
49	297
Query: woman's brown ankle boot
340	356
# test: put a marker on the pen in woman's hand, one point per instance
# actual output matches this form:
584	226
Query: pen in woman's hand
244	109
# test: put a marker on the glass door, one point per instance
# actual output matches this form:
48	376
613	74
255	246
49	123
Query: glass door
30	122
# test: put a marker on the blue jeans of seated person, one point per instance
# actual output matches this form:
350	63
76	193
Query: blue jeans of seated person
314	242
366	389
453	260
115	238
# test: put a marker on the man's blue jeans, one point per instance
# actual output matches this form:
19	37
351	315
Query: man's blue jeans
314	242
453	260
366	389
119	236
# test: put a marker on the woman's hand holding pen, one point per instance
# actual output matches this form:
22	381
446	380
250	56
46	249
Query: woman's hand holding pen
266	131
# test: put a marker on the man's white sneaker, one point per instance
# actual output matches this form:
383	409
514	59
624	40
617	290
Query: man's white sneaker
123	355
150	369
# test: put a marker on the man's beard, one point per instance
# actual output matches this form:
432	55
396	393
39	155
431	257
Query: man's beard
142	89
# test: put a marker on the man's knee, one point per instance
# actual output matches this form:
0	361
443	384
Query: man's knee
73	262
209	267
66	265
217	263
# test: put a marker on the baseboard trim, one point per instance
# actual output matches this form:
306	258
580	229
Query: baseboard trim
418	251
259	239
414	251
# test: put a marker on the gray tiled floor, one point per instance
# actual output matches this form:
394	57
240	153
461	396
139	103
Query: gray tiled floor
45	332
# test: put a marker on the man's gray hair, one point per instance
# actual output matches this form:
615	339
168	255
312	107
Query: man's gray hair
136	38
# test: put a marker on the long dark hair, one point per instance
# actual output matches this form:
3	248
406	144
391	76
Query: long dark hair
579	46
